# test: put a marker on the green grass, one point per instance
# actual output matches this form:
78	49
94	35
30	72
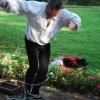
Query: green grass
84	43
11	31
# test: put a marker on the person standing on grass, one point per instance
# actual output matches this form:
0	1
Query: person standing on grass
44	20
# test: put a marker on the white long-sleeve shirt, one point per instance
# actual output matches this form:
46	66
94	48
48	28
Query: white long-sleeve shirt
37	29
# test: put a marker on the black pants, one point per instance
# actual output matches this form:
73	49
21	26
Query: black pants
38	57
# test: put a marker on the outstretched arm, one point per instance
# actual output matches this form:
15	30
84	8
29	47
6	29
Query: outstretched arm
21	7
70	19
16	6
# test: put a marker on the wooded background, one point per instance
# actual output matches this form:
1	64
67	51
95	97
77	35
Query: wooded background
80	2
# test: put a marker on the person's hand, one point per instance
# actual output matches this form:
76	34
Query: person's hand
72	25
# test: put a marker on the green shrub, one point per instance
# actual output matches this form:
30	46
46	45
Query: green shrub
14	65
79	80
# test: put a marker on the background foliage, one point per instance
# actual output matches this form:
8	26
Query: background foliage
84	2
80	2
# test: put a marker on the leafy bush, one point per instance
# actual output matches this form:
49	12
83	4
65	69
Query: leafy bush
14	65
79	80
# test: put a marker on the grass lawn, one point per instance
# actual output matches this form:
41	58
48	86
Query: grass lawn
84	43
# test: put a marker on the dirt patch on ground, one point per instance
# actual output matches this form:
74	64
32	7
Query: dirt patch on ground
54	94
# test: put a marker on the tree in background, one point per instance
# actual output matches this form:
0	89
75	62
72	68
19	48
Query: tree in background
83	2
